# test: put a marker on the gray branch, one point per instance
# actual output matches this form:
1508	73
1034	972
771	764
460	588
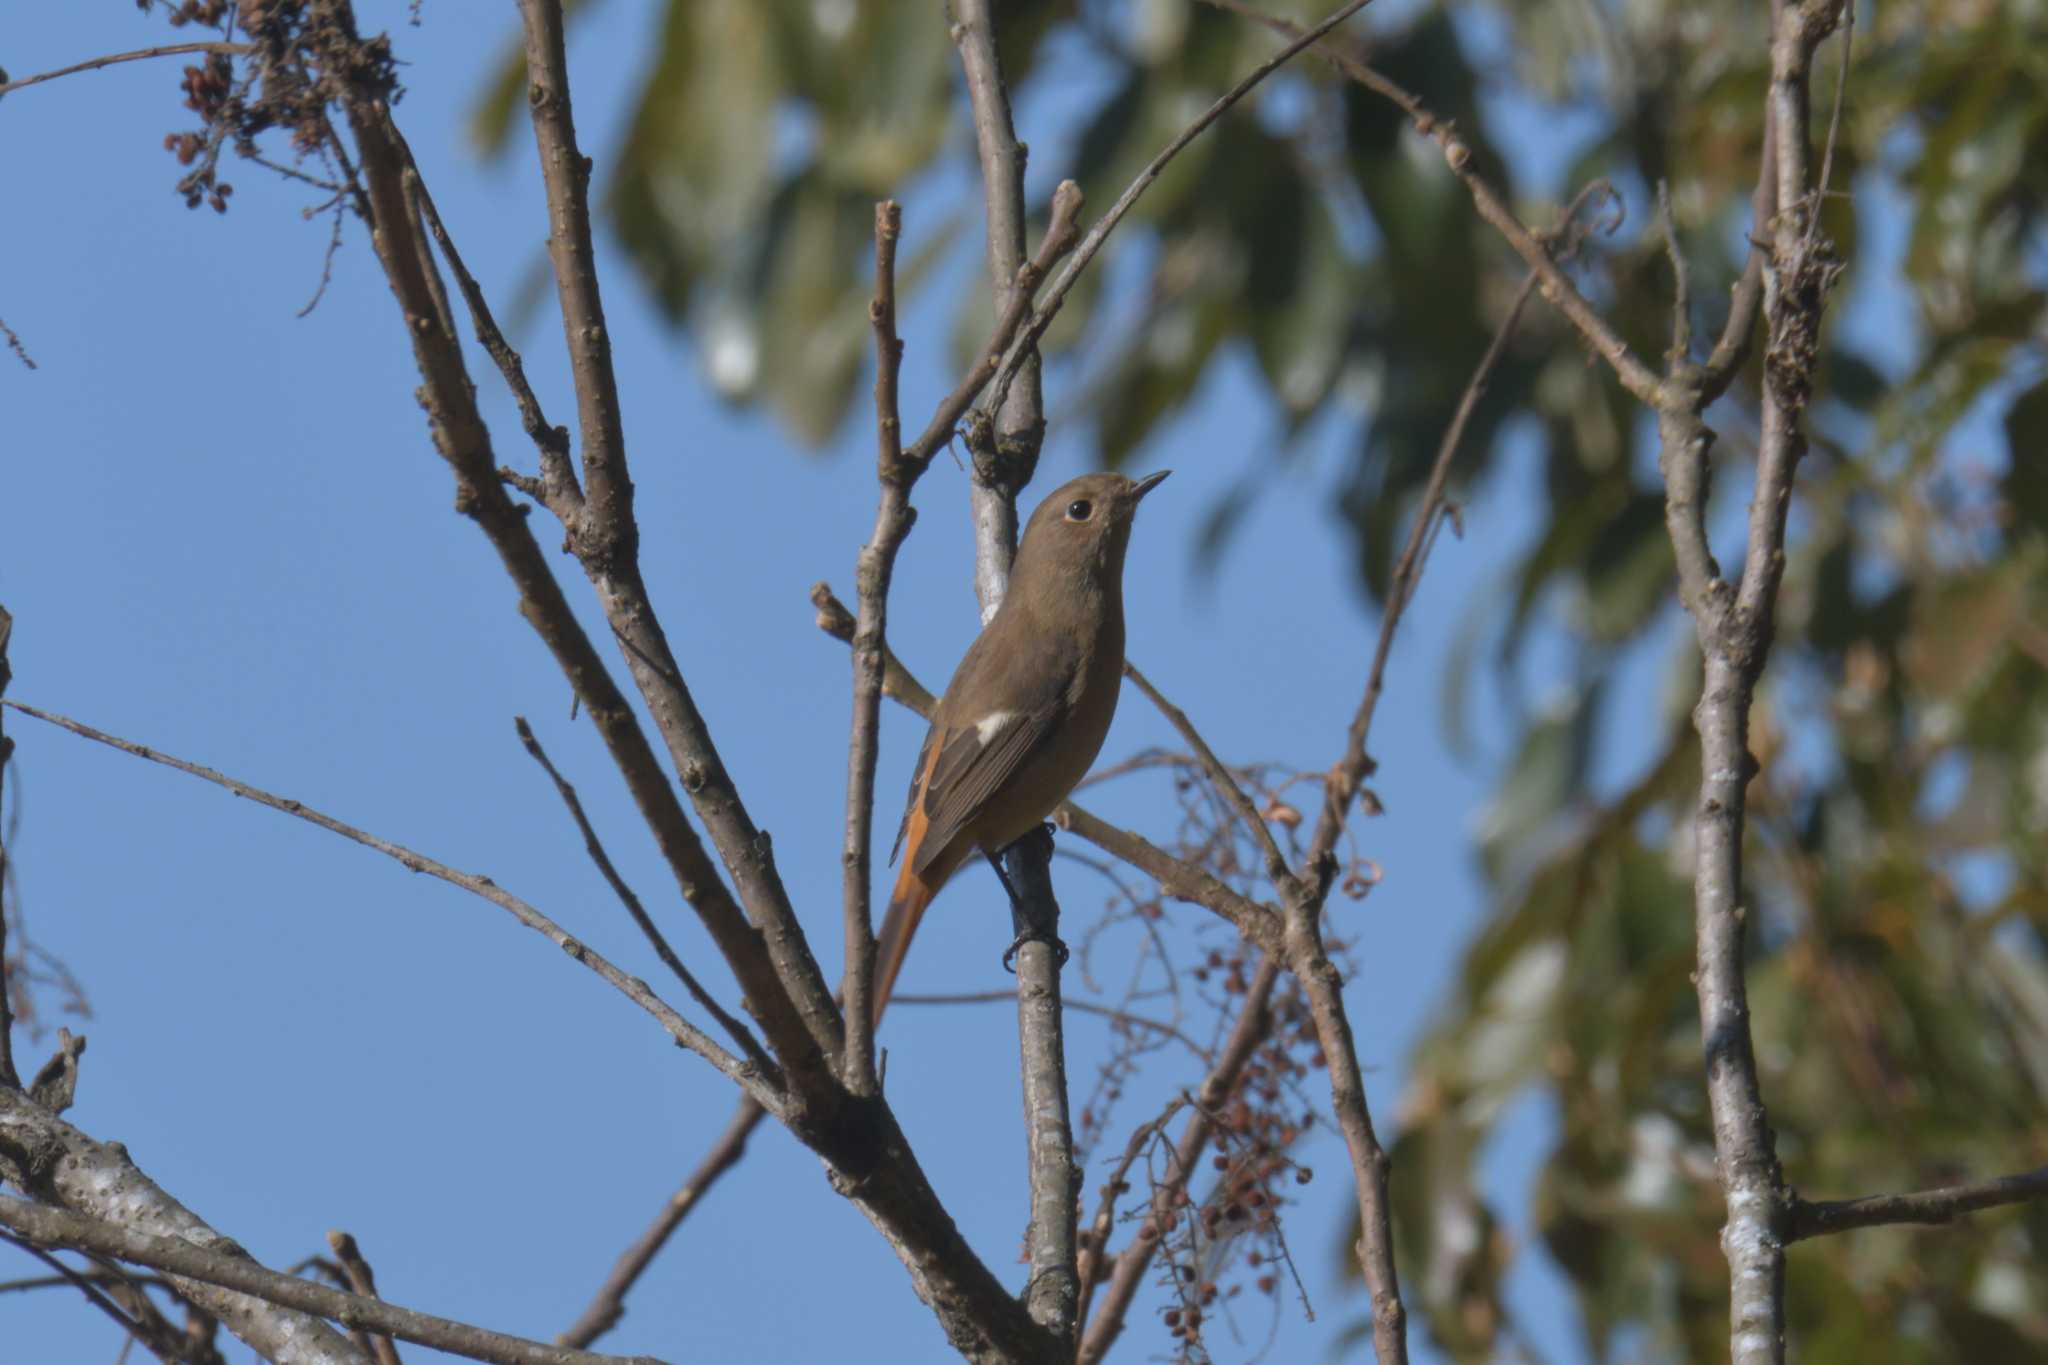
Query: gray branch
1944	1205
55	1164
294	1307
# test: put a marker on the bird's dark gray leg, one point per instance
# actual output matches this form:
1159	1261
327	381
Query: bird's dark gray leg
1023	869
995	860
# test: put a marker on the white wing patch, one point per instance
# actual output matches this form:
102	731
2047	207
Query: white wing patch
991	725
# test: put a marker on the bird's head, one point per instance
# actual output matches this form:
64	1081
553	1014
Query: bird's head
1083	527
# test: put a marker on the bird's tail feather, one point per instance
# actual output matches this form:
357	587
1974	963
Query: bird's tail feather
907	904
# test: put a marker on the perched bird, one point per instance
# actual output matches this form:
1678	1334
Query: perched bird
1028	708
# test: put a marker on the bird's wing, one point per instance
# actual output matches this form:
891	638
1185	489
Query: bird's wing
973	762
924	757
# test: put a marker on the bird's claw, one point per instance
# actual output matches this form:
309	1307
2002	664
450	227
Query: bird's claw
1059	949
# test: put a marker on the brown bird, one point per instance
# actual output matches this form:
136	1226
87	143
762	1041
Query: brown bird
1028	708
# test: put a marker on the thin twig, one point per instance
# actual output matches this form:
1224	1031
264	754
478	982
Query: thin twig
163	1348
1681	308
1095	1242
1738	334
873	572
1056	293
1219	776
1819	1218
1827	156
95	1276
50	1227
114	59
682	1030
1115	1016
1638	378
363	1280
14	345
609	1303
738	1031
1061	235
338	212
560	491
1357	764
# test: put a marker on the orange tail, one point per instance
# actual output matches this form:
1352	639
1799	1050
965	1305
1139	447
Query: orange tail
907	905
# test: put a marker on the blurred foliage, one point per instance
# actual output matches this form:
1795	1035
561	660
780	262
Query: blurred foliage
1898	851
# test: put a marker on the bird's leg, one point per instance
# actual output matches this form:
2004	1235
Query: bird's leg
1035	916
995	860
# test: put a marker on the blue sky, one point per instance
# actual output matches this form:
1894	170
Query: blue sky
223	532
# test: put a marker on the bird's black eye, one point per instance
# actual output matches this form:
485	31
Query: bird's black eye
1080	510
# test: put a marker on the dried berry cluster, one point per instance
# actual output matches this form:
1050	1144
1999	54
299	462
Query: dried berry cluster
306	56
1215	1245
1255	1131
1208	1245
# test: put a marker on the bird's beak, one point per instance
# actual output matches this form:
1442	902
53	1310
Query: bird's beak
1148	483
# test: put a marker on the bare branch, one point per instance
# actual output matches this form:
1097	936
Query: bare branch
574	254
1005	449
51	1227
1734	628
606	541
1819	1219
873	572
464	442
165	1347
739	1032
56	1164
114	59
688	1035
558	489
1182	880
782	983
1050	1246
1356	765
609	1304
